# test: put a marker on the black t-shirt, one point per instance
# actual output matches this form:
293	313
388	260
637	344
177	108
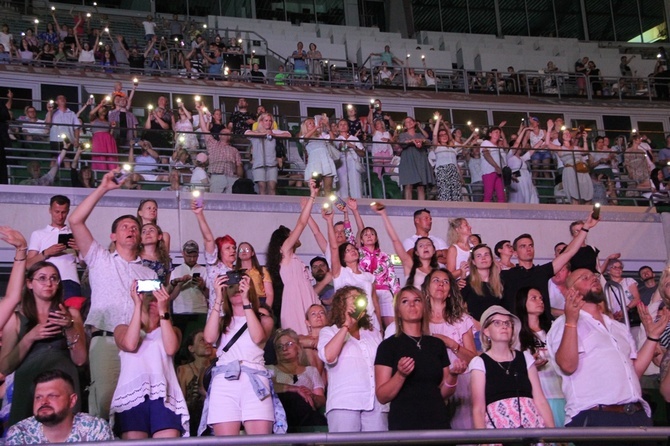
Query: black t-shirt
585	257
136	61
419	404
519	277
506	379
478	303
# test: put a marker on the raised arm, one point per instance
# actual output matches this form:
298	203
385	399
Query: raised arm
17	276
405	258
547	137
207	235
259	329
303	219
335	266
574	245
567	354
78	218
318	235
127	337
353	205
169	333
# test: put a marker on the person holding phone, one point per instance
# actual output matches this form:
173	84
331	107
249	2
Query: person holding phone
111	273
43	334
189	290
55	244
148	401
241	334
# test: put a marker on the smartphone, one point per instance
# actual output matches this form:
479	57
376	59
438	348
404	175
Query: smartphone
126	170
197	198
317	177
360	304
63	239
235	277
196	275
148	285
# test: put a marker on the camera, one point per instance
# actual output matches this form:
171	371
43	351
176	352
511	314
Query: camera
235	276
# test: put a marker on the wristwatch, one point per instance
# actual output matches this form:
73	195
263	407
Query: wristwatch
166	316
247	307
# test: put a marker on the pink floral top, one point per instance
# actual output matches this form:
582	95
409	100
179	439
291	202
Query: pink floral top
379	264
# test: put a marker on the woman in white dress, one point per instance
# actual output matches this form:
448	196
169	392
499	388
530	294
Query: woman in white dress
522	189
577	182
348	173
148	383
318	157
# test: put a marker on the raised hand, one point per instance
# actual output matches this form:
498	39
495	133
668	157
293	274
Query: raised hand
13	237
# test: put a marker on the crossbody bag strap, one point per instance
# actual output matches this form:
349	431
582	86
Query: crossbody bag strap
235	337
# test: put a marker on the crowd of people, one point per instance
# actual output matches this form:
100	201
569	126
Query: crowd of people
471	338
247	151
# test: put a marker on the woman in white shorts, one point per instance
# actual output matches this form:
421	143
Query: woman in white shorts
240	390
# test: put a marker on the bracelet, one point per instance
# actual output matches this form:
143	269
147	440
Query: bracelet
71	344
446	384
649	338
584	229
571	325
455	350
70	325
345	325
20	260
22	249
44	255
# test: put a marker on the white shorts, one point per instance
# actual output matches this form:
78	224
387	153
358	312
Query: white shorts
265	174
237	401
385	302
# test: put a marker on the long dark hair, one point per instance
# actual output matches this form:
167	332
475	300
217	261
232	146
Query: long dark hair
454	307
28	306
228	308
416	261
527	337
273	260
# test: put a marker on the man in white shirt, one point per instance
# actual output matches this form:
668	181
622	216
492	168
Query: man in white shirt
111	275
45	245
62	121
423	223
189	288
598	360
558	289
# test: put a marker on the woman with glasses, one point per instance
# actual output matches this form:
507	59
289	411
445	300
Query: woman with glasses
450	322
348	349
535	324
412	369
505	386
42	335
298	385
623	295
260	276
